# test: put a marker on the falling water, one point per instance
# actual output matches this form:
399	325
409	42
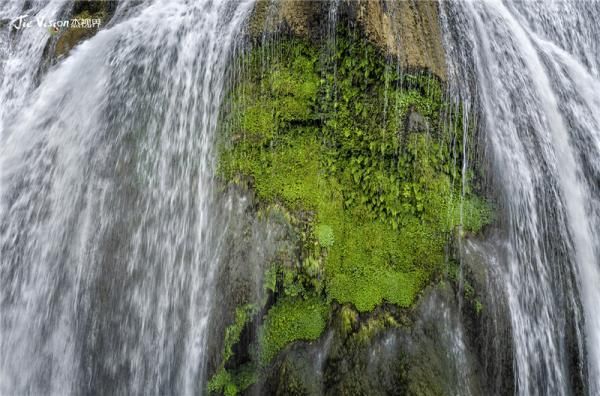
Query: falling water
21	56
532	68
106	231
108	236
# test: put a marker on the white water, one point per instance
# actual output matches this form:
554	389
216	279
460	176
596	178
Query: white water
106	233
534	67
21	56
108	246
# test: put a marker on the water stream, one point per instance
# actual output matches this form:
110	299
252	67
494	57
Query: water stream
110	233
107	234
532	69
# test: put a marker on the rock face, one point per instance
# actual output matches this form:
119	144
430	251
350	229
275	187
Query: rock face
426	355
407	30
333	329
356	164
83	11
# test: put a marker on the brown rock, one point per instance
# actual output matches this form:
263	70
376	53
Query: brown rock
406	29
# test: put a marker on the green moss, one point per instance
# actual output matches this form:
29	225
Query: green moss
291	320
349	319
270	280
373	326
478	307
473	214
325	235
225	381
232	334
258	124
462	281
390	196
231	384
364	166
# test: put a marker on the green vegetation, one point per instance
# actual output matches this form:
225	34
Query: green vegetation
465	286
368	169
231	384
224	381
292	320
325	235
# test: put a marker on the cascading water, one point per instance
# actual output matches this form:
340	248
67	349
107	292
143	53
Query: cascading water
110	233
20	57
108	240
532	69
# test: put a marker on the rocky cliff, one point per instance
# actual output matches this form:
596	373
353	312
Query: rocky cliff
338	129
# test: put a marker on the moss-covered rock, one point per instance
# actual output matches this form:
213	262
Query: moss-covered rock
407	30
361	163
291	320
420	351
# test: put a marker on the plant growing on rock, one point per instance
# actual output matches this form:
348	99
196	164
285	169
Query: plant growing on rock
365	166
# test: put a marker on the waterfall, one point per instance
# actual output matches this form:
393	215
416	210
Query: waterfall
113	232
21	57
531	68
107	237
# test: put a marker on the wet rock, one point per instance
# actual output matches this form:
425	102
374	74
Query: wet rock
299	17
416	122
406	30
424	351
485	315
250	242
79	28
409	30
